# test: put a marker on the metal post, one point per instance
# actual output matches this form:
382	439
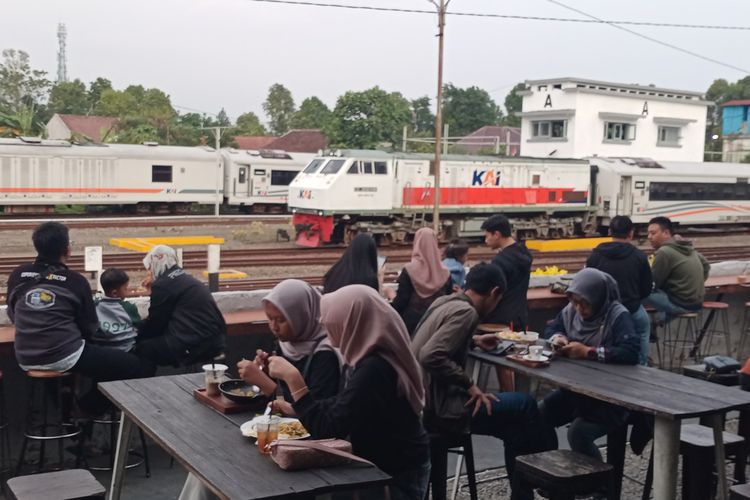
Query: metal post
441	7
214	259
217	136
446	138
404	138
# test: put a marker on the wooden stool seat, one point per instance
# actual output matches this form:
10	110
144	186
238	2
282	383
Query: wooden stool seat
564	473
739	492
715	305
687	315
75	484
697	449
701	436
46	374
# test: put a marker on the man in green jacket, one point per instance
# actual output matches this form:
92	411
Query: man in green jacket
679	272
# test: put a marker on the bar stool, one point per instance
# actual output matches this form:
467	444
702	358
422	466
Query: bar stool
50	385
680	334
112	420
743	332
440	446
653	337
717	324
73	484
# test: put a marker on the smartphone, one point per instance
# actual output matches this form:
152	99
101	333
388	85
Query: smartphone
381	261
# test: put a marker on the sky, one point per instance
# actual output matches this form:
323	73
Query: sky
209	54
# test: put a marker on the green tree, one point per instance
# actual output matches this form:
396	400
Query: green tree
95	91
422	118
513	104
20	85
368	119
24	122
69	98
279	107
466	110
142	114
249	124
312	113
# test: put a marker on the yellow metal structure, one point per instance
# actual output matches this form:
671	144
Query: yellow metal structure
228	274
146	244
568	244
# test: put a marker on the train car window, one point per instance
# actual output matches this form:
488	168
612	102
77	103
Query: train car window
354	169
536	179
381	168
367	167
313	166
663	191
161	173
259	171
282	177
242	175
333	167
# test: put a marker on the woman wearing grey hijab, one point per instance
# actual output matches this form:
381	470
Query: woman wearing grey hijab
596	327
184	324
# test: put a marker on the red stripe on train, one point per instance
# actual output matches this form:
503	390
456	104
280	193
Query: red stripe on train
493	196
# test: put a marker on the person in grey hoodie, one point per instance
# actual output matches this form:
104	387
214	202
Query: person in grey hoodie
679	272
629	267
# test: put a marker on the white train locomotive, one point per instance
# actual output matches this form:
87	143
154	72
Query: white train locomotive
36	175
391	195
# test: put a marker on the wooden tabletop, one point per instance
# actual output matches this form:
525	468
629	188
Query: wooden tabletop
638	388
211	446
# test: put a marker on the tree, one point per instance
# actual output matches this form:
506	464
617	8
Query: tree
20	86
142	114
24	122
249	124
466	110
279	107
513	105
367	119
69	98
422	118
312	113
96	88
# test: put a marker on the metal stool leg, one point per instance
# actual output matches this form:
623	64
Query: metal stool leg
457	475
725	324
743	333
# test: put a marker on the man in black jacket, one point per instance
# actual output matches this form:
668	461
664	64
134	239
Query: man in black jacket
630	269
515	261
184	324
54	314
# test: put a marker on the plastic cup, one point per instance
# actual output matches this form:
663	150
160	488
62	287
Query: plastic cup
214	376
267	429
535	351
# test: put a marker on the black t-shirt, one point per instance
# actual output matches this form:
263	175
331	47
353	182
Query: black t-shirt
380	424
515	261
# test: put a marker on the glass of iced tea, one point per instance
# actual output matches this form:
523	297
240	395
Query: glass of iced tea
267	429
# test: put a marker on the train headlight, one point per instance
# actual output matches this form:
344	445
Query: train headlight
320	213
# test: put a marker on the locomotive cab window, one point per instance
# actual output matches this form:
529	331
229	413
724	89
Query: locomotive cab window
333	167
381	168
313	166
354	168
366	167
161	173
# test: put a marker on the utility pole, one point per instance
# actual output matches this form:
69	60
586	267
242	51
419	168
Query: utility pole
442	7
219	177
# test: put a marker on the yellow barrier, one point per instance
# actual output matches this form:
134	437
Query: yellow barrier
146	244
228	274
568	244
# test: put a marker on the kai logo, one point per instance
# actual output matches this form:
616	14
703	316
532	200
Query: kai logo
39	298
305	194
487	178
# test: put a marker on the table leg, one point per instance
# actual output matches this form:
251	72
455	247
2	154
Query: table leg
121	457
721	469
666	454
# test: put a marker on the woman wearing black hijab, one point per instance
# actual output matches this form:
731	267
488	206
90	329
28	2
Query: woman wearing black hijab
358	266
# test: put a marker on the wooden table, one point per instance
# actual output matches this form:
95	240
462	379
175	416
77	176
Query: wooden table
209	444
669	397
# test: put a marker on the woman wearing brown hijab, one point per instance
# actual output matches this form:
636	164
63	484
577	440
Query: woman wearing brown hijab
422	280
379	409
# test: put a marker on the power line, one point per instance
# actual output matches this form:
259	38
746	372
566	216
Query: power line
614	24
592	20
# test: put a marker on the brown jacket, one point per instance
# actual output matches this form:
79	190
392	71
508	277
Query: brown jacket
441	345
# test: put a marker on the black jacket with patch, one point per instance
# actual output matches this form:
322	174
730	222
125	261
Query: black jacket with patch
53	310
184	311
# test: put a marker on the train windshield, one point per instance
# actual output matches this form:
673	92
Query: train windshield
333	166
313	166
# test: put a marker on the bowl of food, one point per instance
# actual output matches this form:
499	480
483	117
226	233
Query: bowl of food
241	392
518	337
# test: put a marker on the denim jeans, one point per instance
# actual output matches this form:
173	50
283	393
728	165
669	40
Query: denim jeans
643	329
589	419
660	301
411	484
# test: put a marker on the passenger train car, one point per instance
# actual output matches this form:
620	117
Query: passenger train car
391	195
36	175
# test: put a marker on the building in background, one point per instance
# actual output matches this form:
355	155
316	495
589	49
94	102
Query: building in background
294	141
734	130
576	118
254	142
490	139
79	128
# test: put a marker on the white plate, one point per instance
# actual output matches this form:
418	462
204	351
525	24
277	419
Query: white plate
529	357
248	431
